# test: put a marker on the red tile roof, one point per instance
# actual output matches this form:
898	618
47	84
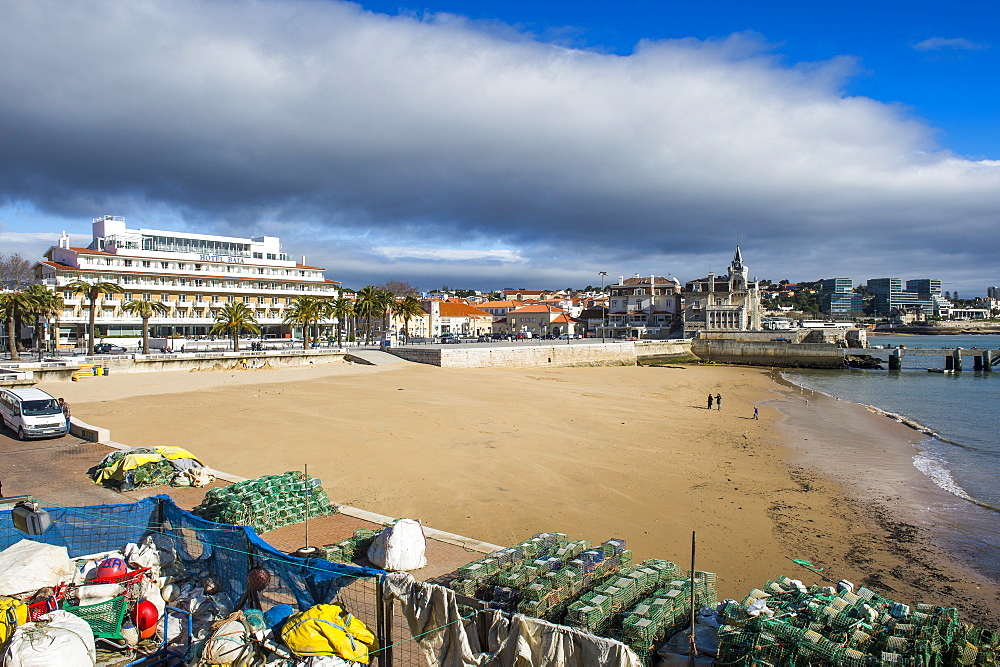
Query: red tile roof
461	309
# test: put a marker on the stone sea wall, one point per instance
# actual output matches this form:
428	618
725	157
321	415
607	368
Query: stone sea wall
759	353
624	353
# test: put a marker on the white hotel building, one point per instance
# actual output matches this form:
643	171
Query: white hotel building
192	274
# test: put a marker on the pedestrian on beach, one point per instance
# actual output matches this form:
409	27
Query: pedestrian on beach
67	413
718	401
709	401
755	412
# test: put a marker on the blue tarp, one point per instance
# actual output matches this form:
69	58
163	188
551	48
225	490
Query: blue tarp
226	551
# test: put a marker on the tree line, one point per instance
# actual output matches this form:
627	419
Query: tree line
23	303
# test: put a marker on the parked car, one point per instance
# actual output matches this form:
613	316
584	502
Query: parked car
448	338
31	413
108	348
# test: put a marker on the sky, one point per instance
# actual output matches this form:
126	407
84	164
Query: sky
497	144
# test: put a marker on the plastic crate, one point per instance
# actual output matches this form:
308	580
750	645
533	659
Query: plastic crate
42	607
104	618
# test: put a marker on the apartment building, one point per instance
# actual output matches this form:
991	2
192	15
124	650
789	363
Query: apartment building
456	317
643	307
192	274
539	319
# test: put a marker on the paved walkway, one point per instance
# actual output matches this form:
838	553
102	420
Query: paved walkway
55	472
374	358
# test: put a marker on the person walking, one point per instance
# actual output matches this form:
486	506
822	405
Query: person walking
755	412
718	401
709	401
67	413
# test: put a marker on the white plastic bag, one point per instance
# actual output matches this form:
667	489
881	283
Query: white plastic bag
400	547
27	566
65	640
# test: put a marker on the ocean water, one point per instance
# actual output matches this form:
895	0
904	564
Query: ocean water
961	410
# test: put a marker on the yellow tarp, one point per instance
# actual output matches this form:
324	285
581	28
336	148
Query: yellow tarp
327	630
116	471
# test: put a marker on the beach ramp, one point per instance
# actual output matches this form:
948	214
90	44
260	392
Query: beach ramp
374	358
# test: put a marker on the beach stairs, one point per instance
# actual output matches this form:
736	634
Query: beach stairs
83	372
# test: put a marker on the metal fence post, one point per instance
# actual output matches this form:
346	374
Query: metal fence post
383	619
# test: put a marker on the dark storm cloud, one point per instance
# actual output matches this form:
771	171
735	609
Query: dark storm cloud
376	131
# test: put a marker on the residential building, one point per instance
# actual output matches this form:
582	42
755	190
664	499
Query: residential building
193	275
525	294
643	307
723	304
539	320
594	319
838	298
456	317
499	309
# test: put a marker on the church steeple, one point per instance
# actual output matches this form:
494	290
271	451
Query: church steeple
737	264
738	272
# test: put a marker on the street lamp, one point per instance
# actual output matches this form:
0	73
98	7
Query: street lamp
604	312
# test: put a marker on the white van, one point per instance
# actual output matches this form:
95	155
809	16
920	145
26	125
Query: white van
31	413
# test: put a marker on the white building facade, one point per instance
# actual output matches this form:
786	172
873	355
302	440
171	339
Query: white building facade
193	275
723	304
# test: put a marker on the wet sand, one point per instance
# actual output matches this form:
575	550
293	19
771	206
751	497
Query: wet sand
630	452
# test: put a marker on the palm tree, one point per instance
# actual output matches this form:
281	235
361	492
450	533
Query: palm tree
304	311
44	304
234	318
340	308
13	305
93	291
409	308
145	310
369	304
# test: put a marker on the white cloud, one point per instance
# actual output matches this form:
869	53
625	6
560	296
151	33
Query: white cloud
339	126
949	44
448	254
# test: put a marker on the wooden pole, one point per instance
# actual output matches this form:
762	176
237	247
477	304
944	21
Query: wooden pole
693	651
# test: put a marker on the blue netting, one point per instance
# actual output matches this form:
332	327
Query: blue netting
88	530
204	547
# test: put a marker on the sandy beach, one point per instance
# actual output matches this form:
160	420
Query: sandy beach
630	452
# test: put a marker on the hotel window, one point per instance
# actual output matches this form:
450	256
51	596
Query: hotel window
108	262
182	298
164	265
260	271
147	297
246	299
69	295
198	283
197	267
146	265
128	262
258	255
271	255
127	296
163	297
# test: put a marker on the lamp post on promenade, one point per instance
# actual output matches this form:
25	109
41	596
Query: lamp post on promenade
604	312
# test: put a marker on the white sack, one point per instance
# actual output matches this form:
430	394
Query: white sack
98	593
399	547
65	640
27	566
